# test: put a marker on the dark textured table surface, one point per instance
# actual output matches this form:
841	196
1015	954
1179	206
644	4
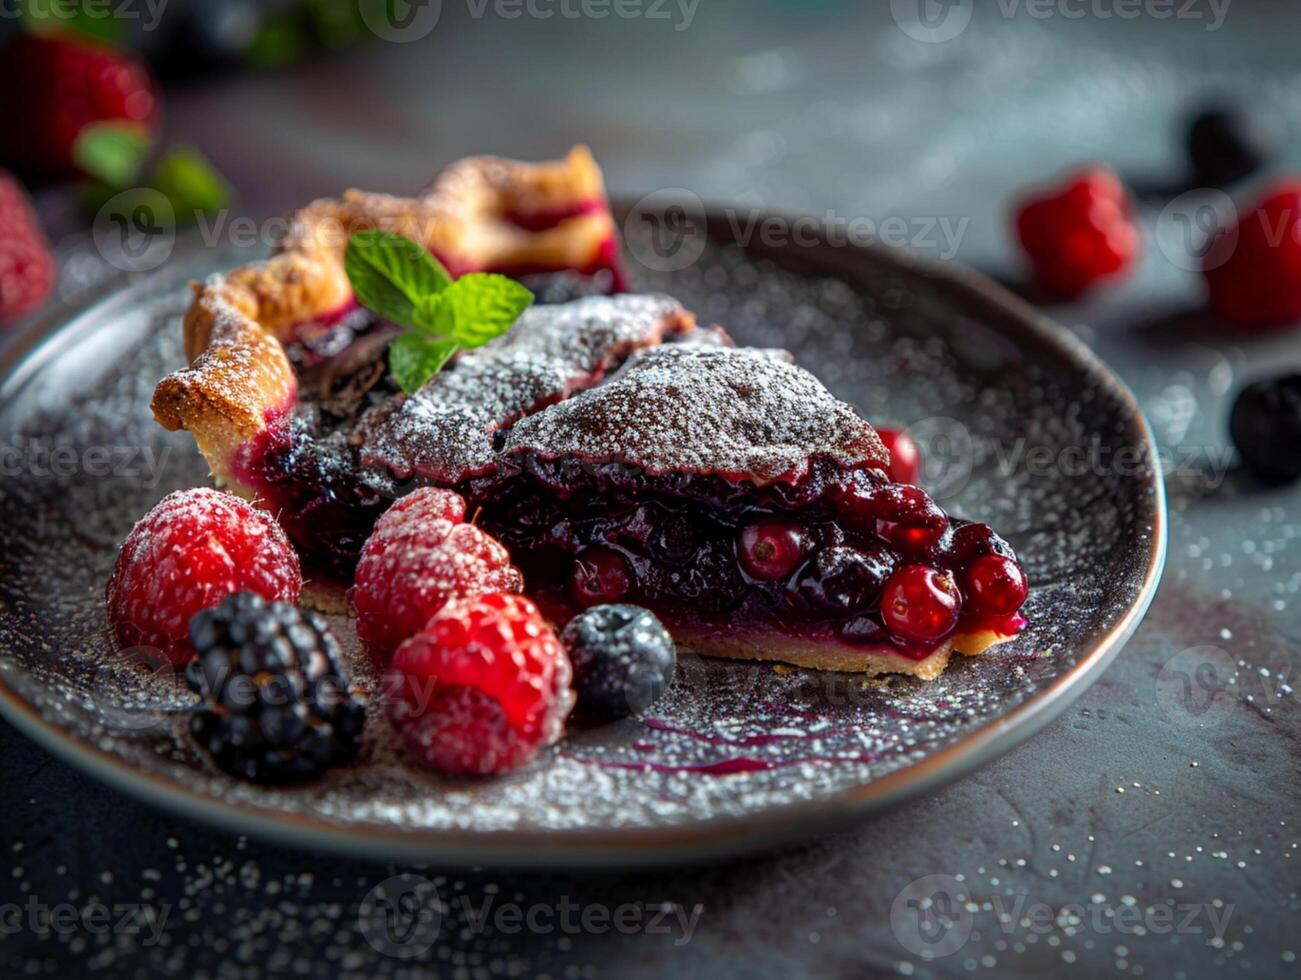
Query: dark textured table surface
1154	830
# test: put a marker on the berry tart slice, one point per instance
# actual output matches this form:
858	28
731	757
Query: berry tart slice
283	359
621	454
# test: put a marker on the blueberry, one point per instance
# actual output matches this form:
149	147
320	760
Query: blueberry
623	659
849	578
1266	428
1224	146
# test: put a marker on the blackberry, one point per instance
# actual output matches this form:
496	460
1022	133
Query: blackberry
623	659
1226	145
277	707
1266	428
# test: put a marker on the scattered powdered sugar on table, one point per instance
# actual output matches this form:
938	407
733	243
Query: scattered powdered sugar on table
729	739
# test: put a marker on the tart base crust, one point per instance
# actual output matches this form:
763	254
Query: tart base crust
837	656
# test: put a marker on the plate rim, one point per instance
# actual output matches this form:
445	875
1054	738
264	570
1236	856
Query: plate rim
700	840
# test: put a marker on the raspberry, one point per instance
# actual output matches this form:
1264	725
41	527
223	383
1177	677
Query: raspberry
1080	232
482	689
27	270
56	85
191	551
418	557
277	706
1253	271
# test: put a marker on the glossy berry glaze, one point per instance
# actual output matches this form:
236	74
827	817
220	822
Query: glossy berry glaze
811	559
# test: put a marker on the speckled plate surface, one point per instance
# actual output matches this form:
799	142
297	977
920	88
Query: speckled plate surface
1023	427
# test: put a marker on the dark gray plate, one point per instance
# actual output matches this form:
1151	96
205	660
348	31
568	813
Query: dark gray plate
1024	428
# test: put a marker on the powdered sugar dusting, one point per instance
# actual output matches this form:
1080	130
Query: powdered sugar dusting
444	431
731	740
704	409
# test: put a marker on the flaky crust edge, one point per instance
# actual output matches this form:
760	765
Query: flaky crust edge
234	330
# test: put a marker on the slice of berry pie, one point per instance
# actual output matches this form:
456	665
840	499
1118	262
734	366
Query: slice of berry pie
620	453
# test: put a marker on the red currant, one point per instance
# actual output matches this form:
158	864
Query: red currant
905	455
771	550
1080	232
921	603
1253	271
912	520
970	541
600	576
996	586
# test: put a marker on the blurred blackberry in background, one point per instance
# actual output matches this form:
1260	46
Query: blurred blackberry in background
1226	145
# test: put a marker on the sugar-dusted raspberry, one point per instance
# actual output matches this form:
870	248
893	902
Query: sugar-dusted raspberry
67	82
191	551
1080	232
418	557
482	688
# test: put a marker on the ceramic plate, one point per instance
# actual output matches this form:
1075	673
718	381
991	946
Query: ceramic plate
1022	427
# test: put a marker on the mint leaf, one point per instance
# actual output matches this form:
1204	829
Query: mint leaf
393	276
112	151
480	306
189	181
414	358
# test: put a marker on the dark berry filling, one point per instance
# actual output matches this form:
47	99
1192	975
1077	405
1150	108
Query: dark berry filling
305	465
841	552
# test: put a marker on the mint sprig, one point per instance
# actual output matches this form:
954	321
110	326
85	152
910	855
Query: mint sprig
398	279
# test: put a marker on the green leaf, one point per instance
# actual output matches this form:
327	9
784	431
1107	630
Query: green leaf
482	306
414	358
191	183
98	23
112	151
393	276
